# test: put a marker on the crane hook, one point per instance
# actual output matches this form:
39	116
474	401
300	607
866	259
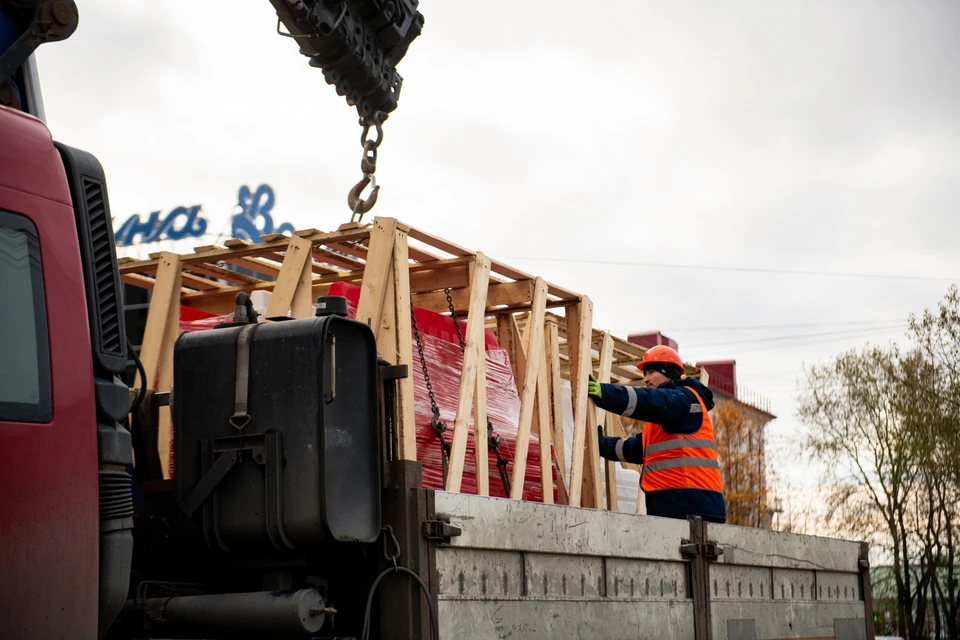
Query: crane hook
358	206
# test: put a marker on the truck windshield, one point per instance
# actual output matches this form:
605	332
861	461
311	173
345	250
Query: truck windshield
24	354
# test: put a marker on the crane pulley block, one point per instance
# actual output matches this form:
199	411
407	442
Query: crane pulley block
356	43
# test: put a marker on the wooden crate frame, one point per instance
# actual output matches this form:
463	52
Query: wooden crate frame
397	265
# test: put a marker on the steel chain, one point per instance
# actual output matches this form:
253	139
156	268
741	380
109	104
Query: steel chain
493	438
438	425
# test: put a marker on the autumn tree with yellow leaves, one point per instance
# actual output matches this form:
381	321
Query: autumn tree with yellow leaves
739	432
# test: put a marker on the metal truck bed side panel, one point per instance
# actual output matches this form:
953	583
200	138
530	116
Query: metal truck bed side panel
529	570
765	548
769	584
498	523
535	571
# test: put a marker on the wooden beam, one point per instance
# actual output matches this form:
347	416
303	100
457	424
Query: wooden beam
579	319
165	383
473	352
213	253
377	273
257	265
508	293
603	375
159	336
546	430
451	276
508	335
480	428
293	282
555	385
407	431
533	352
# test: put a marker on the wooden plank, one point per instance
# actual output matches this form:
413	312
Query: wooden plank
255	264
215	271
407	432
164	384
302	304
294	271
160	333
356	250
138	280
603	375
324	255
508	335
194	281
592	473
473	352
438	243
509	293
443	277
218	301
496	266
480	428
164	293
315	267
220	253
554	383
377	273
533	351
545	433
579	319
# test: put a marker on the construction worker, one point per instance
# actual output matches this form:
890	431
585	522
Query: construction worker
681	474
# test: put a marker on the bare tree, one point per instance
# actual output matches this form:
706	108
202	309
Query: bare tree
858	427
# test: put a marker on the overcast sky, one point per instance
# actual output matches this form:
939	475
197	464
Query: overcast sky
813	136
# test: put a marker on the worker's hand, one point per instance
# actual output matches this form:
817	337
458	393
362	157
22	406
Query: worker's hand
600	431
593	388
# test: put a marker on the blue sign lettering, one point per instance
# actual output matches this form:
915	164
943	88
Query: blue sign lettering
254	219
153	228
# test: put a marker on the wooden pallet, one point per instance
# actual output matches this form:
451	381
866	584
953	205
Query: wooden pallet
397	265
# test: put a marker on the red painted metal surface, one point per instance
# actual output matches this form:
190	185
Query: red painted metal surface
48	472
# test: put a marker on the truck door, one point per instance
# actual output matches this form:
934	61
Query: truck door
48	449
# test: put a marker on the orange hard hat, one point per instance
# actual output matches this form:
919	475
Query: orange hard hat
661	353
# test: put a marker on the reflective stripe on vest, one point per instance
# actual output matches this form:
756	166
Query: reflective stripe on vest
673	463
680	443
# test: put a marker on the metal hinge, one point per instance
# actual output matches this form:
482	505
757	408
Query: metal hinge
440	530
711	550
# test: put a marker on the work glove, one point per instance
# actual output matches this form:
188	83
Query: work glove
594	389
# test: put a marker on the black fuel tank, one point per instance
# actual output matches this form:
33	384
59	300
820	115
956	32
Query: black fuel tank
305	468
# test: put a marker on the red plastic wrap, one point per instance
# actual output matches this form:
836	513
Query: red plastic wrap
444	358
444	361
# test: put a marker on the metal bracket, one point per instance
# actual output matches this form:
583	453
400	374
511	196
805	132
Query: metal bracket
440	530
394	372
711	551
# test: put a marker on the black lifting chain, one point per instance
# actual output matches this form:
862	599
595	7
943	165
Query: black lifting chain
438	425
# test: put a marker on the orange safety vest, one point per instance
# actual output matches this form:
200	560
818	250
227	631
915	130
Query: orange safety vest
688	461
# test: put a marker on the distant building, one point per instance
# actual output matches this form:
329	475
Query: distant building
740	417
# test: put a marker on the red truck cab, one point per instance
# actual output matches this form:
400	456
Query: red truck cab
59	399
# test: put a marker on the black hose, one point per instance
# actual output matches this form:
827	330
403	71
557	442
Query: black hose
435	625
142	393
